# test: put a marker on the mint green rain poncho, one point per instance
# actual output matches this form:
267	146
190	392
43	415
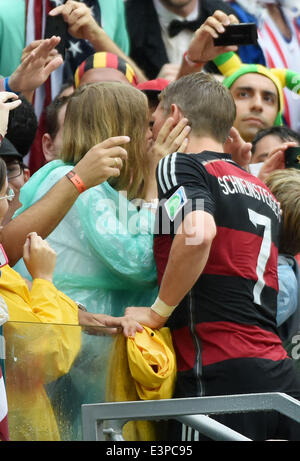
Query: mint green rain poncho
104	261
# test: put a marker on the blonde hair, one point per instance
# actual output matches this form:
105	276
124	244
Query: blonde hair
285	185
99	111
204	101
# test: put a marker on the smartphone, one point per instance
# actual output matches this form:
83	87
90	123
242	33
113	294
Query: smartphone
55	25
292	157
238	34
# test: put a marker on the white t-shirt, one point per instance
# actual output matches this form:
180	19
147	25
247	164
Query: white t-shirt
175	46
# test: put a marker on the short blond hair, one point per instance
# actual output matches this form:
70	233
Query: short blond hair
285	186
204	101
99	111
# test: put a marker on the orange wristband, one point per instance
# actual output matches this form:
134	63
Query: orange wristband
76	180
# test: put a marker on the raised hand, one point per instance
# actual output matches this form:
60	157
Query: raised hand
170	139
202	48
5	107
79	18
37	65
102	161
239	149
39	257
275	160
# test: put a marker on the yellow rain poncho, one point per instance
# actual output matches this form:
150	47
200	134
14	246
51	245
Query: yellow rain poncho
42	339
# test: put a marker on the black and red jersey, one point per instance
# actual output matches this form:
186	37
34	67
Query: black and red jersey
231	310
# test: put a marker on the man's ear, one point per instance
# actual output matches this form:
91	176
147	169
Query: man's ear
26	174
176	113
47	145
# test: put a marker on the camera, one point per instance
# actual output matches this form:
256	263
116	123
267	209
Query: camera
238	34
292	157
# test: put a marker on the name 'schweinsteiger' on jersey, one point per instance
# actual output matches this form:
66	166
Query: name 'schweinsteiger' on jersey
236	294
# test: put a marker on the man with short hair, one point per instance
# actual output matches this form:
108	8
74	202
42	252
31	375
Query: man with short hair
257	90
257	103
55	117
216	247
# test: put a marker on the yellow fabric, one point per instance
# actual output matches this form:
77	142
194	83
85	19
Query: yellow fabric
122	387
230	65
37	352
280	74
152	363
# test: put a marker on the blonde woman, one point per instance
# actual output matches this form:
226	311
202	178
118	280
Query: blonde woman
104	244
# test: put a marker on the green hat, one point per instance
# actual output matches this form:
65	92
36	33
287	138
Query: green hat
230	65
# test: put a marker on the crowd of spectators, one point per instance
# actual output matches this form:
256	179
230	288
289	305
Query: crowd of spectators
143	185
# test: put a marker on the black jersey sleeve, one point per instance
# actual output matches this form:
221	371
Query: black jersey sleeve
185	173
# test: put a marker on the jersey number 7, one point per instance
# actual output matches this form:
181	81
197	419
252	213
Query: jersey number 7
264	252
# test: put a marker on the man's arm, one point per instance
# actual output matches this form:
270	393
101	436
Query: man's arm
202	48
82	25
188	256
94	168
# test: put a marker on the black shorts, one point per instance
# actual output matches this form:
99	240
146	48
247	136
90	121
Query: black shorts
248	376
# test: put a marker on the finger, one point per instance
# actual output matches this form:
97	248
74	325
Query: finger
233	19
224	18
183	146
35	241
226	49
113	141
281	148
234	132
26	249
56	11
210	30
30	234
76	23
118	162
113	172
32	46
217	24
289	144
53	64
177	142
275	162
179	133
165	130
78	13
46	46
13	104
5	95
115	152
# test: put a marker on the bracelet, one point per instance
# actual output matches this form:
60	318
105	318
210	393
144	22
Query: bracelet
192	63
76	180
7	87
161	308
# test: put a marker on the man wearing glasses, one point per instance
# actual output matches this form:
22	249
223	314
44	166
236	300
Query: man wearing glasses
17	174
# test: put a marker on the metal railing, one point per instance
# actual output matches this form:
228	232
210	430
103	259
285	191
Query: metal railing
104	421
